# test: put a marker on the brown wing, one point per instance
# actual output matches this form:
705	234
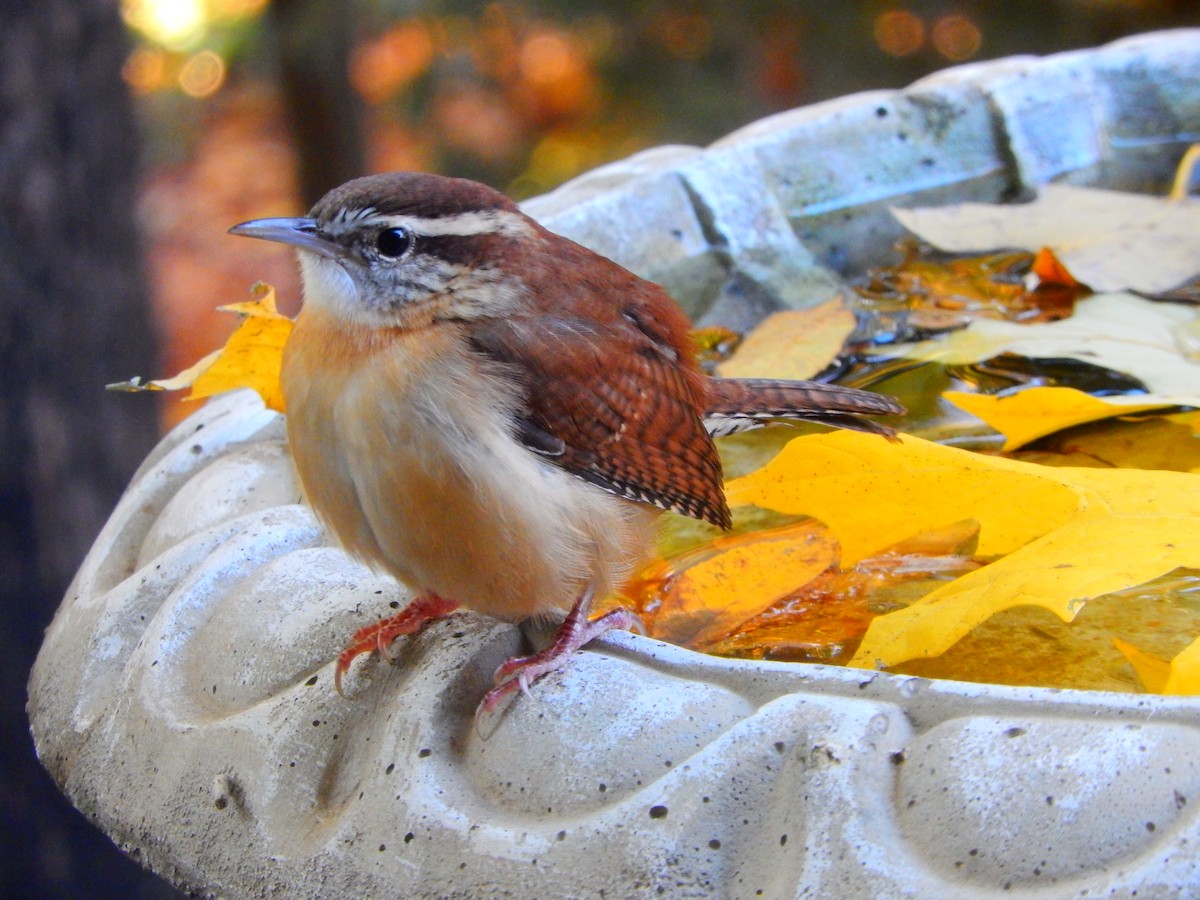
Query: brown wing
613	399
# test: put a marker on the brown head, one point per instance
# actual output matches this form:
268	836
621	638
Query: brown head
381	246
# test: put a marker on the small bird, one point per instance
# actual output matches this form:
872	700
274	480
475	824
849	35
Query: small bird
495	415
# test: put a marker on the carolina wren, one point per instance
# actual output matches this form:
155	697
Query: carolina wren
494	414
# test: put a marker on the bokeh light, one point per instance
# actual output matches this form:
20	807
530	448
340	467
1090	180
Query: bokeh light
145	70
556	78
956	37
237	9
175	24
547	57
202	75
898	32
383	65
474	120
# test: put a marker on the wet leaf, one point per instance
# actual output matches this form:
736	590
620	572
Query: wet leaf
874	494
1110	240
1052	537
1128	334
824	620
941	294
1166	442
1035	412
1180	675
1076	562
703	595
1152	672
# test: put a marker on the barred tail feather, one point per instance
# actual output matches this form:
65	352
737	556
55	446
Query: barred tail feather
739	404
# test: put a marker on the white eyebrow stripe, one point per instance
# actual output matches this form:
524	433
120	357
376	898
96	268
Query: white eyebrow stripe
460	225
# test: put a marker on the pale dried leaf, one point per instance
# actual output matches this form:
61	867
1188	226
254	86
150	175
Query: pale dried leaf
1110	240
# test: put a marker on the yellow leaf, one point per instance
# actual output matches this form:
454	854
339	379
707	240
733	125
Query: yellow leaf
1135	492
1027	415
1064	535
874	494
795	343
1185	671
1164	441
250	358
253	354
1179	676
1096	554
1151	671
704	595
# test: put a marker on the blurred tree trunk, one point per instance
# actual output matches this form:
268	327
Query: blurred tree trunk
314	39
74	314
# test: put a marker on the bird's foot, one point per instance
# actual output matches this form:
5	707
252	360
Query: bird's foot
520	672
377	636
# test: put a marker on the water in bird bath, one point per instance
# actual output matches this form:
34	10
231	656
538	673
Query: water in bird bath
823	614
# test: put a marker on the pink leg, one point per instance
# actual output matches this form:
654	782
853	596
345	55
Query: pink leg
520	672
377	636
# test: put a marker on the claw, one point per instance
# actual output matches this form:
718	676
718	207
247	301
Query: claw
635	624
520	672
378	636
383	643
507	668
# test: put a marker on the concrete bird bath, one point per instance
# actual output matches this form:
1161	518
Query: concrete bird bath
183	698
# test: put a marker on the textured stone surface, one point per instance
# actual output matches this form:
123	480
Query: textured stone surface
767	267
1116	115
183	698
835	167
994	829
637	211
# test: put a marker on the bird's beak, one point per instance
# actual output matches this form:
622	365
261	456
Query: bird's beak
300	233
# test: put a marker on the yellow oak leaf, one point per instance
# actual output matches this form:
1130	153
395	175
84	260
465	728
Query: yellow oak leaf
1163	441
253	355
250	358
874	494
1094	555
1027	415
1180	675
1136	492
1062	535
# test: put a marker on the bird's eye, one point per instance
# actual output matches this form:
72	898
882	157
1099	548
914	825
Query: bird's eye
393	242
